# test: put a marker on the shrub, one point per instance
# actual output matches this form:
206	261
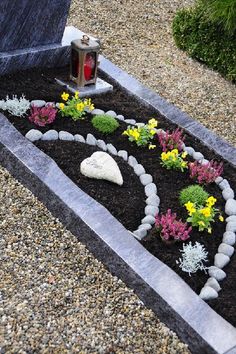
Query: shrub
206	41
42	115
205	174
171	140
105	124
143	135
194	194
170	228
221	12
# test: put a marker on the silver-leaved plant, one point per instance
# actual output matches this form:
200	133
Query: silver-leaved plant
193	257
15	106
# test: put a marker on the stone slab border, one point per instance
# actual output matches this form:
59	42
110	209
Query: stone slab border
169	111
176	304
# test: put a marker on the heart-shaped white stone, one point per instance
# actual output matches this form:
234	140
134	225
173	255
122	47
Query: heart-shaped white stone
101	165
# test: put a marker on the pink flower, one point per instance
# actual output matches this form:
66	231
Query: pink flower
42	115
170	141
207	173
170	228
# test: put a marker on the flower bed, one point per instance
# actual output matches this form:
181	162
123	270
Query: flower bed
127	203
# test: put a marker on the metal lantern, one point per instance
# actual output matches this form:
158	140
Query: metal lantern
84	61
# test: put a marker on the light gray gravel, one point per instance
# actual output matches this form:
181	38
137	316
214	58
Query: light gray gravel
55	297
137	36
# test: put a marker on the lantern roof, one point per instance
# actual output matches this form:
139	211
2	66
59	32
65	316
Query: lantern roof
85	43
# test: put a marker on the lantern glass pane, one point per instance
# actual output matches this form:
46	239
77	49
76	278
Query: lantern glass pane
74	63
90	66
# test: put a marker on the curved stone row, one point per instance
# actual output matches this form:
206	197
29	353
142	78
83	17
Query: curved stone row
150	189
225	249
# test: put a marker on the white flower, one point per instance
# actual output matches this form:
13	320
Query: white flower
193	258
15	106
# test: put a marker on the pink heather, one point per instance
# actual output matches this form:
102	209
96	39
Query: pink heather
205	174
42	115
170	228
170	141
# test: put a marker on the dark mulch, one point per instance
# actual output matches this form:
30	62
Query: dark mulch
126	203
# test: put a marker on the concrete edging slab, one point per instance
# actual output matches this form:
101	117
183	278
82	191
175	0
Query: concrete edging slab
176	304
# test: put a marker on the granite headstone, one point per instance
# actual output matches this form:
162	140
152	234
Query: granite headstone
33	34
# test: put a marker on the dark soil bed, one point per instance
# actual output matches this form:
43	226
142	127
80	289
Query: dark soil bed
127	203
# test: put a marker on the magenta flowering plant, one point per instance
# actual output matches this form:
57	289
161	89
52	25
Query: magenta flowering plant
205	174
171	140
42	115
170	228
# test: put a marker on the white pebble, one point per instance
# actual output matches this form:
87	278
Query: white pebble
208	293
221	260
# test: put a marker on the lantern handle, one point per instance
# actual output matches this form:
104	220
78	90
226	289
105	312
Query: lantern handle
85	39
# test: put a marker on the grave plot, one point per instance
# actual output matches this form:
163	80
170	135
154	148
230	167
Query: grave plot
128	202
153	161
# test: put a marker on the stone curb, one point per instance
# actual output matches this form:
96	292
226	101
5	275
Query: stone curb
169	111
176	304
150	189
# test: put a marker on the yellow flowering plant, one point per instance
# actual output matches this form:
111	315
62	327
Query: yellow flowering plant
73	106
174	160
203	216
142	136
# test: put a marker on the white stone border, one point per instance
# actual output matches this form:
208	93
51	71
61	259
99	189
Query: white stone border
225	250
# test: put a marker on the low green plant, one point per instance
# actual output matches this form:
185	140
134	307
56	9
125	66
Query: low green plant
206	40
104	123
194	194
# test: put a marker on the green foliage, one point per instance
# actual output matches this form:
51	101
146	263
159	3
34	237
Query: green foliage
105	124
206	41
194	194
222	12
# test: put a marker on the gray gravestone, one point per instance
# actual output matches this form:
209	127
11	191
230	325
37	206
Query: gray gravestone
32	34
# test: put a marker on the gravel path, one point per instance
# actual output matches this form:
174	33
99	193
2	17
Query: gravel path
136	35
55	297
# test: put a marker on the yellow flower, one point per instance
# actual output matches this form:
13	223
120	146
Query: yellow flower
65	96
184	154
91	107
211	201
205	211
61	106
190	208
125	132
152	132
151	146
136	134
221	218
209	230
80	106
201	223
152	123
76	95
164	156
175	152
183	164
